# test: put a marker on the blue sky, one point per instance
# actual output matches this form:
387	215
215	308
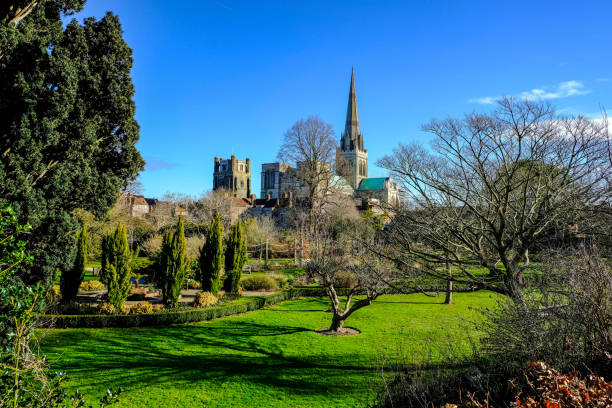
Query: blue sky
214	78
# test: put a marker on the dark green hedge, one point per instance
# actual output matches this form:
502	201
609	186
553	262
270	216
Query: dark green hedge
242	305
165	318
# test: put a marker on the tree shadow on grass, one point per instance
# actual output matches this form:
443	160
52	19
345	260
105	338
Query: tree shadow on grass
184	355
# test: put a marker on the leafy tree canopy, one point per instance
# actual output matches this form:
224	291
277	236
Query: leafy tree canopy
68	133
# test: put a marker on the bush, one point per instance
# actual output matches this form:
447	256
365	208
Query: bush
194	284
142	308
53	295
566	321
204	299
158	308
260	282
91	286
345	279
107	308
241	305
125	309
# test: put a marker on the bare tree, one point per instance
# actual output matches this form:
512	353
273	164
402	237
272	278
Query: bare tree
341	247
211	204
490	186
311	145
134	188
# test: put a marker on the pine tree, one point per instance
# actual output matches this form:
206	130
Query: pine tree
71	279
116	266
211	258
173	264
235	258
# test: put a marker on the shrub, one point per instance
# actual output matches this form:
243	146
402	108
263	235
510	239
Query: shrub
53	295
566	321
90	286
158	308
142	308
168	317
260	282
194	284
125	309
204	299
107	308
141	265
345	279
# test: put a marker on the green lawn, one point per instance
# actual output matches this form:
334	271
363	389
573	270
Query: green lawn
265	358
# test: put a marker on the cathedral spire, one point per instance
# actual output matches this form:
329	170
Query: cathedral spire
351	137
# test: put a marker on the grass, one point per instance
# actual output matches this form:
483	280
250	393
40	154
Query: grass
270	357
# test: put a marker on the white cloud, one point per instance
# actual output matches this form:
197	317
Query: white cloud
562	90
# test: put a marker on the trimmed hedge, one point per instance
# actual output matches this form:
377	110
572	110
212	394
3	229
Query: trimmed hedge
242	305
165	318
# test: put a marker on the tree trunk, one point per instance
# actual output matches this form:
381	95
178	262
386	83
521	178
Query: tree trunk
449	284
337	323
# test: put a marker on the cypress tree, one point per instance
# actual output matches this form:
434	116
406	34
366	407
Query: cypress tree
235	258
71	279
116	266
211	258
173	264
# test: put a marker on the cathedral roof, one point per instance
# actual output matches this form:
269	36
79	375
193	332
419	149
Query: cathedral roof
373	183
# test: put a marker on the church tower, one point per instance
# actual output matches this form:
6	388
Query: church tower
351	143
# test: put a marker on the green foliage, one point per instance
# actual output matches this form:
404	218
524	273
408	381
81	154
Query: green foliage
164	318
116	266
260	282
211	258
173	264
375	220
68	128
72	278
204	299
235	258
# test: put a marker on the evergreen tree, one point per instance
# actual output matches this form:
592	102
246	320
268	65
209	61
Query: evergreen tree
211	258
71	279
235	258
173	264
67	126
116	266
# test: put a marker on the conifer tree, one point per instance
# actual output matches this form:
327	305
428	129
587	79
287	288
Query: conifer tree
235	258
211	258
116	266
173	264
71	279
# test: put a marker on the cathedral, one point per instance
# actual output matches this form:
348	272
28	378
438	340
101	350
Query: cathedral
381	190
278	183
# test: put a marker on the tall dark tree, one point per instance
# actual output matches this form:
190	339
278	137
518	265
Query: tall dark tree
173	264
71	279
116	270
211	258
235	258
68	133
